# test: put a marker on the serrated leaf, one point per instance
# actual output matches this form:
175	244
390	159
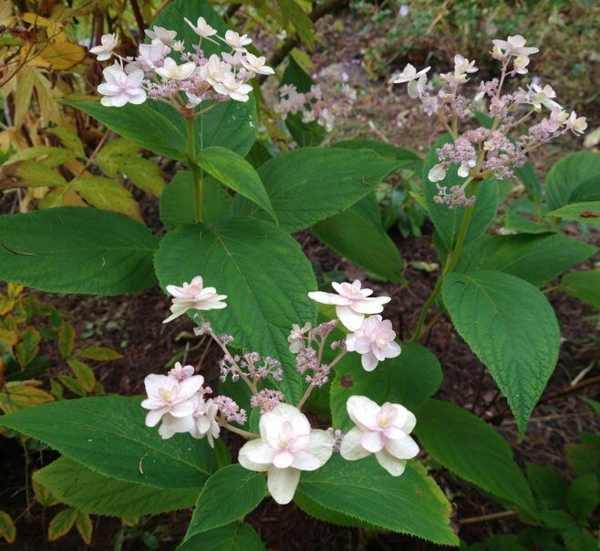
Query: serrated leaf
229	494
29	347
472	449
32	174
411	159
83	373
69	139
100	353
47	156
107	195
584	285
569	173
547	485
74	385
84	526
511	327
66	339
60	56
76	250
61	524
94	493
237	536
8	530
588	212
43	495
109	436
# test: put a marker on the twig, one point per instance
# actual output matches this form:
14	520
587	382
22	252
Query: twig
485	518
231	11
139	18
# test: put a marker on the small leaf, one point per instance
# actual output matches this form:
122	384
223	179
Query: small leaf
8	530
83	522
61	524
18	396
47	156
584	285
582	496
73	385
547	485
83	373
69	139
100	353
66	339
29	347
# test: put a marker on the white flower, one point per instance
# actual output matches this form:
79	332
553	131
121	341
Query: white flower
193	296
193	100
514	46
104	51
383	431
577	125
152	55
162	35
214	70
236	89
236	41
543	96
464	168
256	64
200	423
520	65
463	65
287	446
168	395
122	86
437	173
410	73
201	28
351	302
296	337
170	69
374	340
181	372
179	45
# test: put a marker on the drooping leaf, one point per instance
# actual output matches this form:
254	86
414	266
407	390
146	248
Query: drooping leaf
143	173
584	285
69	139
472	449
588	212
358	235
263	272
229	494
108	435
410	504
94	493
537	258
568	174
311	184
60	56
410	379
237	536
513	330
76	250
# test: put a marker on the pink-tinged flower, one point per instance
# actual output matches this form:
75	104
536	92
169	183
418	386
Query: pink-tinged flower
520	65
181	372
168	395
215	70
122	86
236	89
104	51
543	96
152	55
287	446
515	46
374	340
171	70
201	28
383	431
351	302
256	64
296	337
200	423
161	34
237	41
576	124
193	296
463	65
417	80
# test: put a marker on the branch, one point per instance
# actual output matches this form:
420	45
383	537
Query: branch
485	518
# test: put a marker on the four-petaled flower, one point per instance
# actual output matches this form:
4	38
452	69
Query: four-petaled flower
122	86
416	80
170	69
515	46
161	34
576	124
351	302
374	340
287	446
200	423
383	431
237	41
104	50
201	28
256	64
296	337
194	296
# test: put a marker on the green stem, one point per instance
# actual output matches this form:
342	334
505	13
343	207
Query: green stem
196	170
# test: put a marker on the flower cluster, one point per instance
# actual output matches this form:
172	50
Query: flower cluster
164	71
489	152
286	443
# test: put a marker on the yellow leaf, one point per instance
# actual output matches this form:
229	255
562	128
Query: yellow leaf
84	526
108	195
66	339
47	96
69	139
63	55
6	13
29	347
25	79
6	305
7	527
43	495
61	524
83	373
18	396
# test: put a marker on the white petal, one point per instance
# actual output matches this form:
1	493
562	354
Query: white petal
320	445
392	465
282	484
246	462
351	448
305	461
437	173
352	320
369	361
182	410
328	298
404	448
283	459
371	305
372	440
363	411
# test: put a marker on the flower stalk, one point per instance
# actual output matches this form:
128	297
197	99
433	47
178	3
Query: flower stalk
197	174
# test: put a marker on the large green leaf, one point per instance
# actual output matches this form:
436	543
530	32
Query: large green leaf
409	380
513	330
237	174
389	151
263	272
108	435
237	536
473	450
76	250
311	184
98	494
568	174
358	235
588	212
229	494
411	503
584	285
537	258
177	201
446	220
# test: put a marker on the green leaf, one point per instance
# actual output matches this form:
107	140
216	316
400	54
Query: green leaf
29	347
446	220
107	195
473	450
61	524
584	285
237	536
594	404
83	373
511	327
411	159
557	519
358	235
76	250
84	526
517	223
409	380
410	504
8	530
261	269
66	339
311	184
568	174
98	494
69	139
33	174
588	213
229	494
588	190
100	353
236	173
582	496
177	201
547	485
108	435
537	258
583	459
143	173
578	538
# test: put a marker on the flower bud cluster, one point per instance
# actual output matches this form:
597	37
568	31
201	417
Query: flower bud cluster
251	366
